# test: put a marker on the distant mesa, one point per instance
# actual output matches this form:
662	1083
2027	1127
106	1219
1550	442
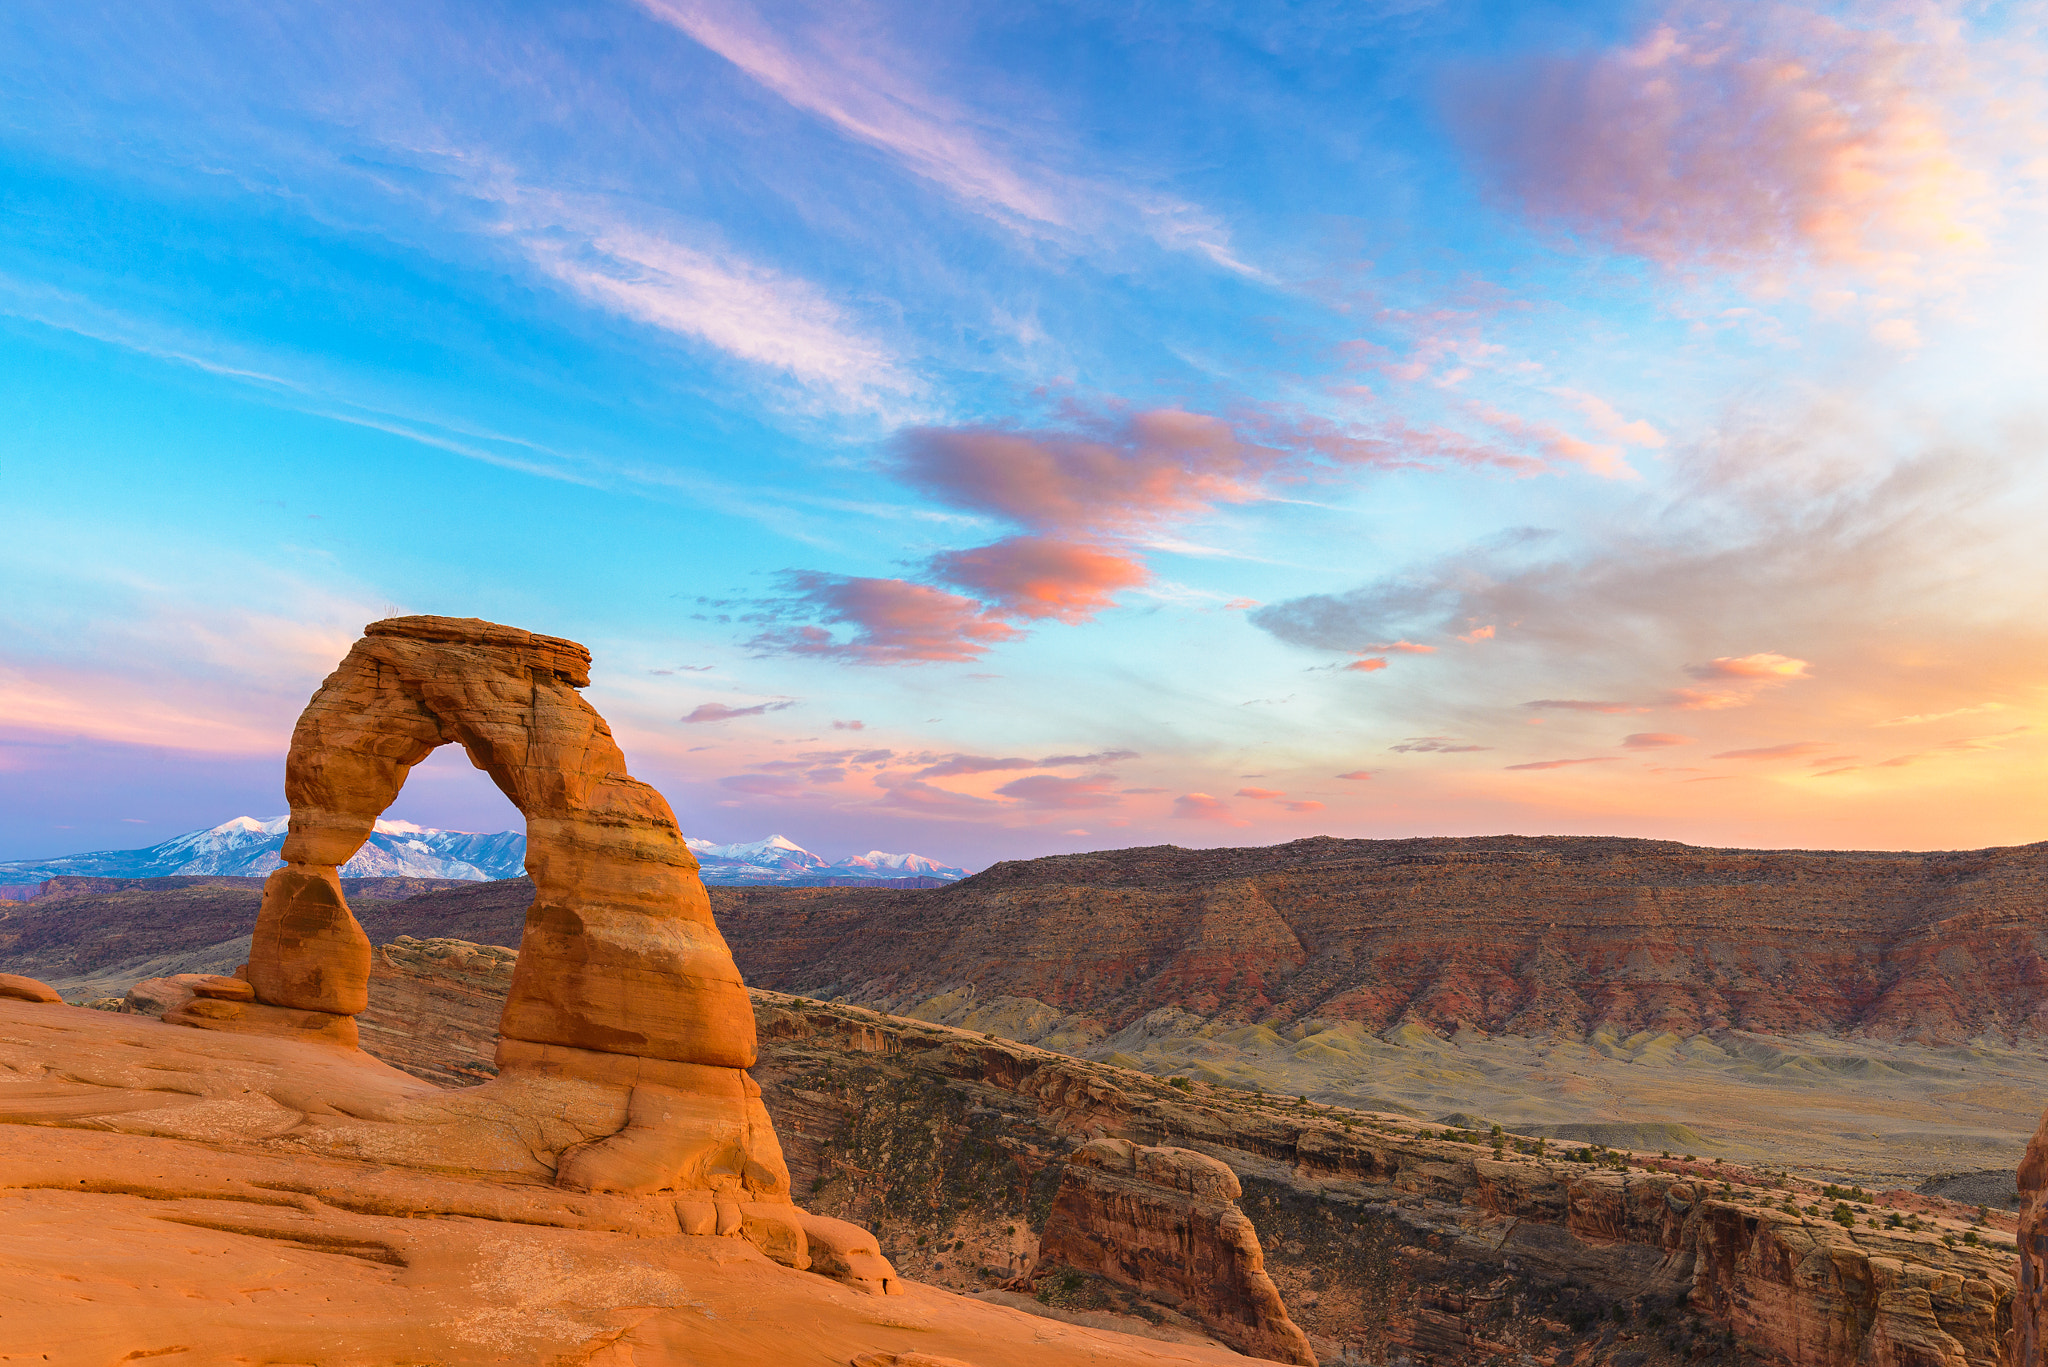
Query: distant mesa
247	847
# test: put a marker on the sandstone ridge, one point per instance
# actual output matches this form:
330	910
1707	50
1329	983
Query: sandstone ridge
1533	936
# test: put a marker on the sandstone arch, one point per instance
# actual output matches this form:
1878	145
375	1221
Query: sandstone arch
620	954
624	987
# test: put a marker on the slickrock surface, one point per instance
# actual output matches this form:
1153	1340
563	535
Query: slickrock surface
1165	1223
1381	1239
168	1197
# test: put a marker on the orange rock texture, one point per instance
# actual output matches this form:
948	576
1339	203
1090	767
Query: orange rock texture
1505	934
195	1198
625	1008
1165	1222
1383	1242
2028	1342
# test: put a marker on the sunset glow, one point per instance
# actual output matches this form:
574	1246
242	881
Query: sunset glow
1005	430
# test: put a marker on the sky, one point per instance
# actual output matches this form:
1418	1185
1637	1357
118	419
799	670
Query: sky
999	430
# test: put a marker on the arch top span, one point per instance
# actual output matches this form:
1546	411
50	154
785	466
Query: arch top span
620	954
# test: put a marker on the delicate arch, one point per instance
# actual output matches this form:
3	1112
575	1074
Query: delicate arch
619	956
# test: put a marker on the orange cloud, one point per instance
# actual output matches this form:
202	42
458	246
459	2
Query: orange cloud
1039	577
1768	665
1202	807
1789	750
1367	666
1651	740
1357	775
1259	793
1561	763
1303	806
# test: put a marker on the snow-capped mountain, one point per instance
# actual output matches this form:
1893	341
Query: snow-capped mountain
246	846
778	859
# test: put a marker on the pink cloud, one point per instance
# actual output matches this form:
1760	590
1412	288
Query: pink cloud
1367	666
849	726
1707	699
1612	425
1053	793
1733	137
1357	775
718	711
1115	472
1040	577
1652	740
1202	807
1260	794
954	765
894	621
1556	443
1562	763
1477	634
1396	648
1303	806
1789	750
916	795
1110	472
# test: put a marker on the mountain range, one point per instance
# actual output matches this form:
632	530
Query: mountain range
247	847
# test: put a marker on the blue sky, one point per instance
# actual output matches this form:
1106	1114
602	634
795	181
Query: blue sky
1200	423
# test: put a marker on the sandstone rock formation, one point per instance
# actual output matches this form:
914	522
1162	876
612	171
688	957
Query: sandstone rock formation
1504	934
168	1198
25	989
2027	1345
625	1015
1384	1239
1165	1222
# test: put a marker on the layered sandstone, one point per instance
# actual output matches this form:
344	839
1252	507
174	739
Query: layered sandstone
1383	1237
2028	1342
1507	935
1165	1223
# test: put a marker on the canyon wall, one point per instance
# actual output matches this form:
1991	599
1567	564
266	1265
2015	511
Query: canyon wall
1513	935
1382	1235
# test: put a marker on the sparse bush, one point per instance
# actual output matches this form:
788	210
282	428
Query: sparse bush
1184	1084
1970	1237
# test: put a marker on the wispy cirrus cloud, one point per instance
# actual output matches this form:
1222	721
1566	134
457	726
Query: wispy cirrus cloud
841	68
721	298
